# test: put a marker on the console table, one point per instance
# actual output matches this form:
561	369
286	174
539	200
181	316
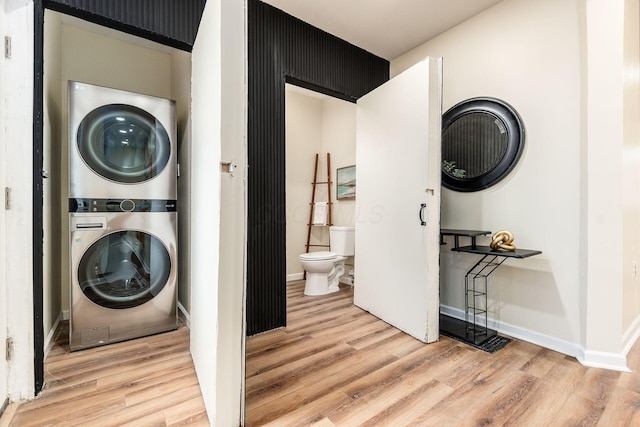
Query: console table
461	233
474	328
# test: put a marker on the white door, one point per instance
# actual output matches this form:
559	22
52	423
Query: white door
398	200
218	208
3	283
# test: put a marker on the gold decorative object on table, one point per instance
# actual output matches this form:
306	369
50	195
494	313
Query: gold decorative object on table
503	240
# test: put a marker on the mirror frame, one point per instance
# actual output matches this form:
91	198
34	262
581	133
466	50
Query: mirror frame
515	141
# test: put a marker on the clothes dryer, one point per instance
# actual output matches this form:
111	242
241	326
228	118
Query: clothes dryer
123	270
121	144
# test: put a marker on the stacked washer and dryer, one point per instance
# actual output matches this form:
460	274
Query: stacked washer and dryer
122	215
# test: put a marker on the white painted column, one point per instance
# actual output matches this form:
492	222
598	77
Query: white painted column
602	179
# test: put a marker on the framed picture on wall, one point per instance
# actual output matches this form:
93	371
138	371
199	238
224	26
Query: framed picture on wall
346	183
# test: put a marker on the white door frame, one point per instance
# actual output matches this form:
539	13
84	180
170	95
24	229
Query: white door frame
4	366
18	176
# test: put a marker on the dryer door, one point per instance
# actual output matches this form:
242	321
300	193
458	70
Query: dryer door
124	269
123	143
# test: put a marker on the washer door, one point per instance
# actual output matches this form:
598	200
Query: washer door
124	269
123	143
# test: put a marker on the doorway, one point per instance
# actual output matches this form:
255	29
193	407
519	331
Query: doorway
315	124
75	49
281	45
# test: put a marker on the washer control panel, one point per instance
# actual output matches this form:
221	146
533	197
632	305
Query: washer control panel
121	205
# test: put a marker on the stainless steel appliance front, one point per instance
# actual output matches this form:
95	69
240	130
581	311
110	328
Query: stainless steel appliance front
121	144
124	275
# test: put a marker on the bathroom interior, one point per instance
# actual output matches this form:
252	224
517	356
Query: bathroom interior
316	124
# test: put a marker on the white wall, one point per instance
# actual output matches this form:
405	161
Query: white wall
181	93
218	223
604	151
315	124
54	211
303	124
502	53
104	60
631	180
565	195
339	139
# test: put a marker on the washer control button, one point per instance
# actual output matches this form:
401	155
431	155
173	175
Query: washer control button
127	205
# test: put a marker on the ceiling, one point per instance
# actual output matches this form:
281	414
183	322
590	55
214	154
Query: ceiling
387	28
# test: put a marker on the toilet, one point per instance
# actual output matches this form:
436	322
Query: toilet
325	268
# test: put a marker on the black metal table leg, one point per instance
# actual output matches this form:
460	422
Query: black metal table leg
476	297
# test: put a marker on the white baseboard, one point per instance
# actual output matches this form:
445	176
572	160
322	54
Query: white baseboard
187	319
595	359
295	276
48	341
631	336
604	360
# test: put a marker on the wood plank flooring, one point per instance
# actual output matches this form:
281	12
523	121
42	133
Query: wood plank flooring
149	381
336	365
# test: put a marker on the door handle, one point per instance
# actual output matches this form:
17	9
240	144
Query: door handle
422	221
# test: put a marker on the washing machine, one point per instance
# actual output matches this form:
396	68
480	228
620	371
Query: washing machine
123	269
121	144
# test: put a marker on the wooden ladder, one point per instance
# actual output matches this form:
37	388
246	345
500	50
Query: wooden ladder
315	183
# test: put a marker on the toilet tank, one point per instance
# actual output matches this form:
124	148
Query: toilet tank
342	240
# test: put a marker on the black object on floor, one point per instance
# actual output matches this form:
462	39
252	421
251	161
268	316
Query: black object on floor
463	331
490	345
488	340
494	344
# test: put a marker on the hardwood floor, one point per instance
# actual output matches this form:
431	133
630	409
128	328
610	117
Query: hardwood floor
144	382
336	365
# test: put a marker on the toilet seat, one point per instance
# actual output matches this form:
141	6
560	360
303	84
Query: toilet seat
318	256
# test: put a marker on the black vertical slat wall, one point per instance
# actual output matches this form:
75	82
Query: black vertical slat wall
170	22
283	48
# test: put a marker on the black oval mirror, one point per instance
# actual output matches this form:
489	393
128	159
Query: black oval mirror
482	140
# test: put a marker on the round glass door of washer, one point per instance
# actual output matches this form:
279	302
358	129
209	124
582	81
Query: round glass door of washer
123	143
124	269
